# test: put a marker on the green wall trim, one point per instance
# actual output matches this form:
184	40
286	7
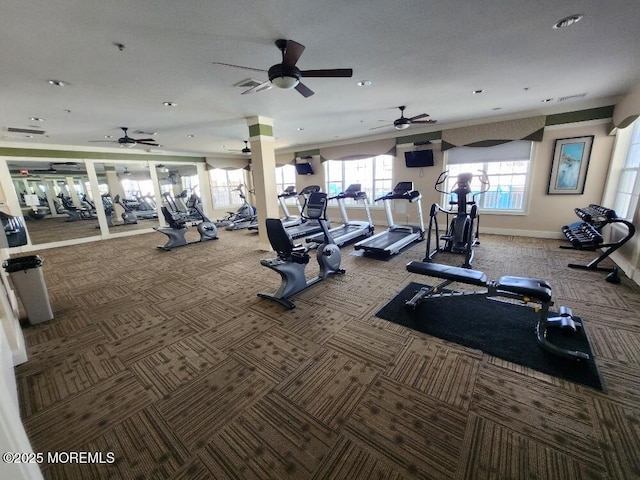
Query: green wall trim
43	153
580	115
267	130
259	129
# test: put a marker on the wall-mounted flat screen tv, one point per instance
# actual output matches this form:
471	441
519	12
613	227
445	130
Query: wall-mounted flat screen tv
420	158
304	168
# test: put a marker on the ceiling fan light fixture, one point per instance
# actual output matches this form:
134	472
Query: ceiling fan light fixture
285	82
401	126
285	77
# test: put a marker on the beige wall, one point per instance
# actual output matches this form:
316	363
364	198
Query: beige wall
546	214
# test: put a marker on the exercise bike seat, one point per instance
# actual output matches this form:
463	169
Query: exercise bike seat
171	220
529	287
283	245
446	272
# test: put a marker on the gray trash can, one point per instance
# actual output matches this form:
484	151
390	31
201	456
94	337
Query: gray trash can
28	279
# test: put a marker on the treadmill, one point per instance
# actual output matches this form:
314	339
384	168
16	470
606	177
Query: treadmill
396	237
288	220
349	230
310	227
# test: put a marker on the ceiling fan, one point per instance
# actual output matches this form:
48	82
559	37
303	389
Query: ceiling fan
53	169
127	141
404	122
286	75
245	151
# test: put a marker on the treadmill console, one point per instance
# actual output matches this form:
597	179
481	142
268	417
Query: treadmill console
402	188
352	191
308	190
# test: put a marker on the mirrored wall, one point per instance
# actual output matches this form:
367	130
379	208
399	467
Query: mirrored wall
179	189
59	204
127	196
56	200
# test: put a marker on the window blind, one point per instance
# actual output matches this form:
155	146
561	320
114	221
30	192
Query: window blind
518	150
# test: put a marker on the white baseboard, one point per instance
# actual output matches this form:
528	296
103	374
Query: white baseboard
629	270
523	233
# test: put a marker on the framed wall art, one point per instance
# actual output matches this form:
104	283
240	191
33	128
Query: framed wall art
569	166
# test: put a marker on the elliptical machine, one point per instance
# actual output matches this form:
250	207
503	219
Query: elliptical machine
293	259
460	237
178	228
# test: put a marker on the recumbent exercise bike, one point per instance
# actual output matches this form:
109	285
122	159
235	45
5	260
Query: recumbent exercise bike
178	228
292	259
460	237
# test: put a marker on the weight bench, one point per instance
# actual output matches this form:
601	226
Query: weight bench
526	290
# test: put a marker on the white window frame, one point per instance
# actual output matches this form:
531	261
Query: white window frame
479	158
285	177
627	194
376	186
223	195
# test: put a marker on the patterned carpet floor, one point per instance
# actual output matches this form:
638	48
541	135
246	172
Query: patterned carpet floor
170	361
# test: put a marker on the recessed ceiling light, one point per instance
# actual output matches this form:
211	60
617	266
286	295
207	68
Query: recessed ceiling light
547	100
37	119
475	92
300	129
108	136
169	104
191	135
28	136
567	21
58	83
364	83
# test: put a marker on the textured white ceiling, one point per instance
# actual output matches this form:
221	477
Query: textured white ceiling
426	55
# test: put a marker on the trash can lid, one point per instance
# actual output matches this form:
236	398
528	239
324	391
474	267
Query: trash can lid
22	263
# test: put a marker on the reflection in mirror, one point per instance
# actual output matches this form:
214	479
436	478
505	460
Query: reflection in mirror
56	199
127	196
180	190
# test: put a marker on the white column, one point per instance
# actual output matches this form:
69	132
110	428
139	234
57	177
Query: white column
263	165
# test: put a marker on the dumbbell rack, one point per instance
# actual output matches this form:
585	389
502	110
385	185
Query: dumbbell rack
587	235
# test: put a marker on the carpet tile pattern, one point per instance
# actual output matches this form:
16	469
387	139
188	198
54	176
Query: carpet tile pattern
171	361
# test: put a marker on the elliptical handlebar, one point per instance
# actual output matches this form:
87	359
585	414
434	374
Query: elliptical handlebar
440	180
485	184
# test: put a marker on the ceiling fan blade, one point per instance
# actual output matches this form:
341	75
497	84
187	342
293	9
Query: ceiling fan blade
239	66
424	121
151	144
304	90
292	53
328	72
144	139
418	117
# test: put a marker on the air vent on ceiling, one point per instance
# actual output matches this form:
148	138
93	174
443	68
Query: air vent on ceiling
248	83
142	132
572	97
27	131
